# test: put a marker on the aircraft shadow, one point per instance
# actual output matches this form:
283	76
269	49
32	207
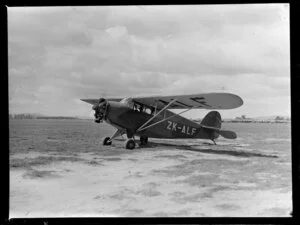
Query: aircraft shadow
196	148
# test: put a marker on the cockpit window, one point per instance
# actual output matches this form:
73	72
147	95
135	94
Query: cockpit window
142	108
148	111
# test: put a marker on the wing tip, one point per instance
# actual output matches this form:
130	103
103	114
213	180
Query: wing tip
90	101
240	101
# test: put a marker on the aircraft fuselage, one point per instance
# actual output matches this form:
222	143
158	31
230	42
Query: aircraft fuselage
122	116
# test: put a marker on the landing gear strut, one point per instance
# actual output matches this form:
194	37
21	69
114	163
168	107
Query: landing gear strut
130	142
107	141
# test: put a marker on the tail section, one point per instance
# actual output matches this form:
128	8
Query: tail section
212	121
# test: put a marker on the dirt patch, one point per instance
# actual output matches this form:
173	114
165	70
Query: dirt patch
183	212
200	165
200	180
173	171
112	151
228	207
275	211
171	156
187	198
37	174
177	194
94	163
213	190
40	161
183	198
161	214
112	159
119	196
134	212
149	192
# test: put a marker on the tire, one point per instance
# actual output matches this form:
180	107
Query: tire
146	140
143	140
130	144
106	141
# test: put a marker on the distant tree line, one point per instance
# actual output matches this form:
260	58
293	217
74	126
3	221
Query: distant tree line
30	116
277	118
56	117
21	116
243	117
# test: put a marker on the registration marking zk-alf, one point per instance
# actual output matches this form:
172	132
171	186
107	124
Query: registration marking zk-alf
184	129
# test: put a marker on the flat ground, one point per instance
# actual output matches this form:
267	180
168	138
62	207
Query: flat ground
54	177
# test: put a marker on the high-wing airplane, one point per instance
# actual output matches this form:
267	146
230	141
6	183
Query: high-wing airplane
149	117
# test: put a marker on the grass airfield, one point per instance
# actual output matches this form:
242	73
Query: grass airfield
62	170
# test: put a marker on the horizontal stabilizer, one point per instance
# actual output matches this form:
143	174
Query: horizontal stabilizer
224	133
227	134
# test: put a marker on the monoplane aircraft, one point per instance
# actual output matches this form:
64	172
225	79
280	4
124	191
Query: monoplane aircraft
149	117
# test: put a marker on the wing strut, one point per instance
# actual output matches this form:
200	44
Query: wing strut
117	134
163	109
141	127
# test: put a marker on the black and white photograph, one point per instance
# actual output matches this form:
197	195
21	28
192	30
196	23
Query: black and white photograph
149	111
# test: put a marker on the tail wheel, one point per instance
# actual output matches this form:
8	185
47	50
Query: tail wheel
130	144
215	135
107	141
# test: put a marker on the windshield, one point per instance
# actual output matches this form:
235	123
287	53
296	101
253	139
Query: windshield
137	106
128	101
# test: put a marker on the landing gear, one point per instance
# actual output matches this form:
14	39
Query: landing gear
214	142
143	140
130	144
107	141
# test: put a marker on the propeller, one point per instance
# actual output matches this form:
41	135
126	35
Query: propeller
100	109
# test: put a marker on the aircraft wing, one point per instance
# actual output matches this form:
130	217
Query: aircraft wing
95	101
204	101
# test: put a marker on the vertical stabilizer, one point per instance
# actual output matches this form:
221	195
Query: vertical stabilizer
212	119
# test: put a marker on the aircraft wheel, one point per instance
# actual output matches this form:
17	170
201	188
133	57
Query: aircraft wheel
143	140
146	140
130	144
107	141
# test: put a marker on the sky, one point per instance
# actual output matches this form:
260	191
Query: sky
58	55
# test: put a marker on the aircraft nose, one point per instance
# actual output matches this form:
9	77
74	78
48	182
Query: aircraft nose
95	107
100	110
98	105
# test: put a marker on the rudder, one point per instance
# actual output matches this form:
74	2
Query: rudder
212	119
